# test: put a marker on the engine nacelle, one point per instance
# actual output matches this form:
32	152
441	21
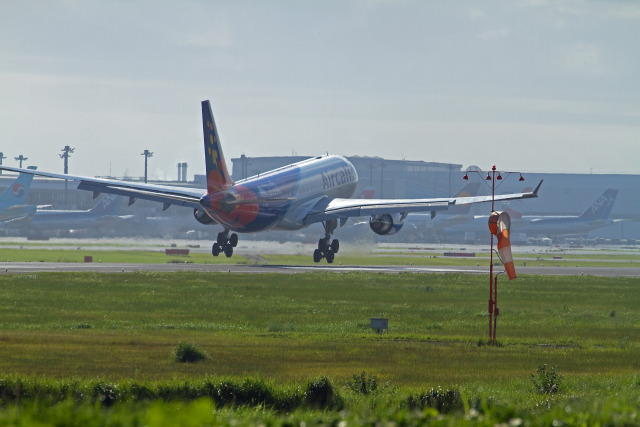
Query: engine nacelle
386	224
202	217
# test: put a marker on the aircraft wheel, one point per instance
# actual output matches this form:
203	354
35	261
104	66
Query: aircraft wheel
228	251
317	255
233	240
222	238
335	245
322	245
330	256
215	249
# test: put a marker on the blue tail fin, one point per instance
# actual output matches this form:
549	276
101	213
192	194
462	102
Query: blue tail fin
16	193
108	205
601	208
218	178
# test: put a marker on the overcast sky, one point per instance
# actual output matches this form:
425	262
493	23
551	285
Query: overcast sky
526	85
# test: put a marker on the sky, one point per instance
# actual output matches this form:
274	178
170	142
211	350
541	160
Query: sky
527	85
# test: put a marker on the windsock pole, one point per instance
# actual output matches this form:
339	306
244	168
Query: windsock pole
495	306
492	302
499	222
493	309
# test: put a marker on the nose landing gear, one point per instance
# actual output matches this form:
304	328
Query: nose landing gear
225	243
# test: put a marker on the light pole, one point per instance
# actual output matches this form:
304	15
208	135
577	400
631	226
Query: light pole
2	157
146	154
382	166
21	159
66	153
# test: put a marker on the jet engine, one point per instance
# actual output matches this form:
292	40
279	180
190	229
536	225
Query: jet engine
202	217
386	224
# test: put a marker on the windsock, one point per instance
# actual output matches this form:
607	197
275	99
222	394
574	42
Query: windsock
499	224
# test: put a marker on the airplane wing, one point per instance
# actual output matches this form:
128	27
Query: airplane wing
182	196
328	209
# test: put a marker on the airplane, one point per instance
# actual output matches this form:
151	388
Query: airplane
12	199
316	190
42	219
597	215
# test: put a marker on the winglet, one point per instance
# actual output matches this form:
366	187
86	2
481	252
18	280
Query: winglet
218	178
538	187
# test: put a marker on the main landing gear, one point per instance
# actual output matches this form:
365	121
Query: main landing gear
327	248
225	243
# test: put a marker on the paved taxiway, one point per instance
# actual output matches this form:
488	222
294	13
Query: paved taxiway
35	267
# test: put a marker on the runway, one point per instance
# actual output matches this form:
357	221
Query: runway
36	267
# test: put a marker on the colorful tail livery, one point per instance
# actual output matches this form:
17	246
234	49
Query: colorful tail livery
289	198
218	178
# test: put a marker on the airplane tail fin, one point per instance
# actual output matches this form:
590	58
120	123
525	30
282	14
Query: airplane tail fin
218	178
367	193
469	190
16	193
108	205
601	208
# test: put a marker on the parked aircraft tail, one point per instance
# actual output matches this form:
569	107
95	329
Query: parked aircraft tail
16	193
218	178
601	208
367	193
108	205
469	190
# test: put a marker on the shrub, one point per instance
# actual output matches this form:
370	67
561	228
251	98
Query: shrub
444	401
187	352
362	384
547	381
83	326
105	393
319	393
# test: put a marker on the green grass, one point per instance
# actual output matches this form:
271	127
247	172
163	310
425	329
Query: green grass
298	326
286	329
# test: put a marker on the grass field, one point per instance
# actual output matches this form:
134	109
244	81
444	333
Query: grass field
289	329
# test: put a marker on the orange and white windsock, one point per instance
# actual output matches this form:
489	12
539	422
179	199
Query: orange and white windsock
499	224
